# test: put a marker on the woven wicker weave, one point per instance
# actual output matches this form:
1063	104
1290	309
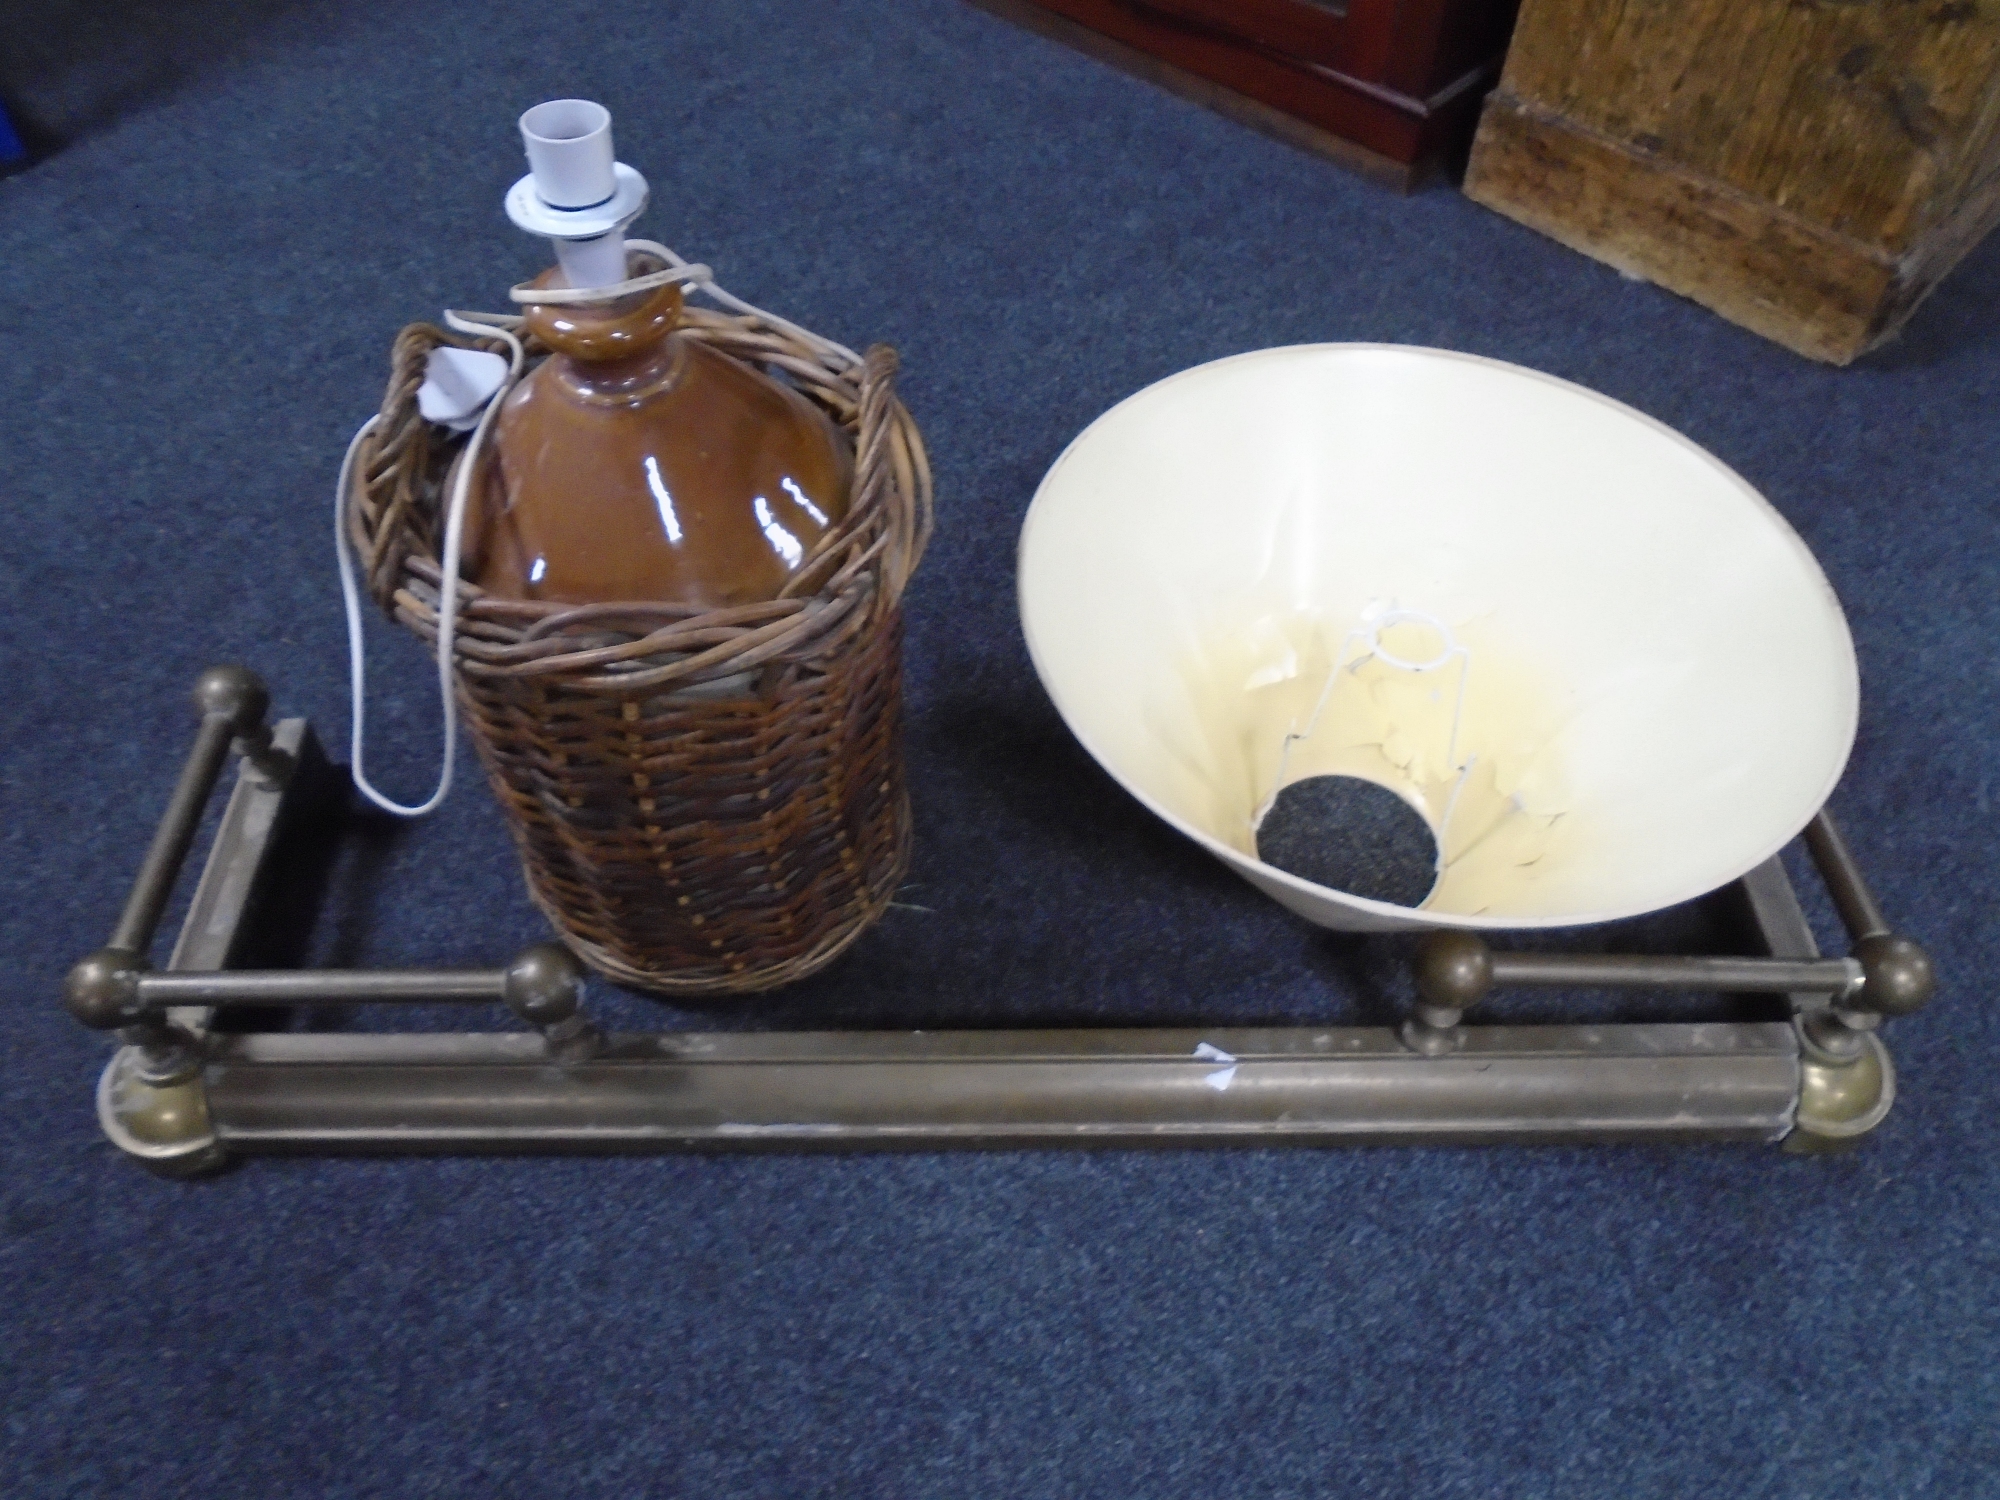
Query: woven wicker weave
704	803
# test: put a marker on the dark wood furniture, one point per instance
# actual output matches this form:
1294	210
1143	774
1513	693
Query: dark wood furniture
1391	87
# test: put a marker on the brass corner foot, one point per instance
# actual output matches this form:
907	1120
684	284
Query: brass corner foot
1840	1102
164	1127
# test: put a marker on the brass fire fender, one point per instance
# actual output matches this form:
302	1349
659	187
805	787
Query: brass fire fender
182	1098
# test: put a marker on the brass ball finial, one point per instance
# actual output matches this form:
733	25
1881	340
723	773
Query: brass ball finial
1897	976
544	984
102	991
1454	969
236	692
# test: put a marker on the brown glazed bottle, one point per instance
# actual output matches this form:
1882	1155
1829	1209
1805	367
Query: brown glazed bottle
638	464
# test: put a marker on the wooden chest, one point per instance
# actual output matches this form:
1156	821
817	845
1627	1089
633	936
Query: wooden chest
1807	168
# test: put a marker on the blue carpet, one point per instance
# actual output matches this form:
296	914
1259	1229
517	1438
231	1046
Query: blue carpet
202	293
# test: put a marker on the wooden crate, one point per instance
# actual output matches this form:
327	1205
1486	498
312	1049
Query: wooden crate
1390	87
1809	169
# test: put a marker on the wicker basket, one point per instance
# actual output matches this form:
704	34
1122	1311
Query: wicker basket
704	803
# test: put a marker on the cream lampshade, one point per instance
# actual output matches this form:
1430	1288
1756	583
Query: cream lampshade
1601	667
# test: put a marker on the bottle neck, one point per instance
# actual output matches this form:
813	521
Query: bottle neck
620	382
615	352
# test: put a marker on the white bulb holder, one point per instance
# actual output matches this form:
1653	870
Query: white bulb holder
1660	685
569	152
576	194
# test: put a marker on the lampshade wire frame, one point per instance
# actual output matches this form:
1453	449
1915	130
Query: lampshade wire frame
1368	636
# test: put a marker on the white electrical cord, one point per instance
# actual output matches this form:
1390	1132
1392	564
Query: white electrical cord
454	537
689	273
500	326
